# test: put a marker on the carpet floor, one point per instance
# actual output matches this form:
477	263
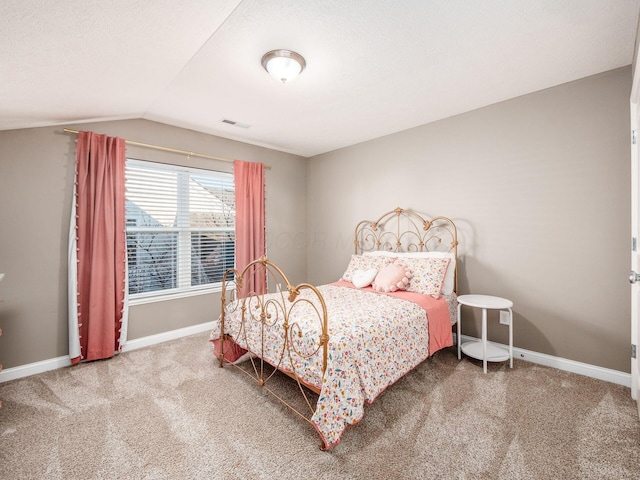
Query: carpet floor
168	412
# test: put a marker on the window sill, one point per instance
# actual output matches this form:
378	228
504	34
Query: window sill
153	298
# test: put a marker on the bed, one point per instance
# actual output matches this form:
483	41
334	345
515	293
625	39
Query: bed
345	342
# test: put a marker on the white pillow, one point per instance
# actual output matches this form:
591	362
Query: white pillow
380	253
449	279
363	278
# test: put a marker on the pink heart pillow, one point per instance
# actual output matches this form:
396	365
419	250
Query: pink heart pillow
391	278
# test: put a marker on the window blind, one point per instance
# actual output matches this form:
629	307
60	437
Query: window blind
180	227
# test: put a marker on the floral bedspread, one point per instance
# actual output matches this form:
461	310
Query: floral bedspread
374	339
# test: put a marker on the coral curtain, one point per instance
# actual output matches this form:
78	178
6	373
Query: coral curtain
250	222
97	249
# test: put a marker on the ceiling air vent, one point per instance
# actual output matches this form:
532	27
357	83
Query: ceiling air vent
233	122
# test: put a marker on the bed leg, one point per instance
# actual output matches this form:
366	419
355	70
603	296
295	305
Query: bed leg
323	446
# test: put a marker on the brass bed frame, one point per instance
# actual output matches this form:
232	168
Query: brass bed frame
399	230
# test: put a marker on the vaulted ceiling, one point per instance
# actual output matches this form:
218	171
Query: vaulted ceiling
374	67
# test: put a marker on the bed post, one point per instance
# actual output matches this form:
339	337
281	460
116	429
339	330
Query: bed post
223	302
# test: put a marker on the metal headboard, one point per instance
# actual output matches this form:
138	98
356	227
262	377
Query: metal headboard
403	230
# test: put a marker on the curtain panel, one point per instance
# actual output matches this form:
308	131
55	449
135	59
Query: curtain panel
250	222
97	250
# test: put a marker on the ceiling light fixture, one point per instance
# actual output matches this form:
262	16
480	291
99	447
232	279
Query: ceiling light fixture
283	65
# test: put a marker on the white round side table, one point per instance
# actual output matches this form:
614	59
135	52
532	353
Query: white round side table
482	350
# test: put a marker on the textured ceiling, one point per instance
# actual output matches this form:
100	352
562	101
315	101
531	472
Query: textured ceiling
374	67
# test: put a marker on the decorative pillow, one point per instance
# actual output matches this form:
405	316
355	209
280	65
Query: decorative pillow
428	274
360	262
363	278
391	278
357	262
450	277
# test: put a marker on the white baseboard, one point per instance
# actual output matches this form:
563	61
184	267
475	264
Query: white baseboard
21	371
593	371
585	369
166	336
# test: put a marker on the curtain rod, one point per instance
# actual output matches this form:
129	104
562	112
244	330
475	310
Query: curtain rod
172	150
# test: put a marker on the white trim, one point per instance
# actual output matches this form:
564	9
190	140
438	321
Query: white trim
152	297
22	371
593	371
166	336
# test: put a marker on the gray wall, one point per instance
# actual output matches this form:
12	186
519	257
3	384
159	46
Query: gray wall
36	184
539	187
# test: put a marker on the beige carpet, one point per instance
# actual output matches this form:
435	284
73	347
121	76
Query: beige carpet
167	412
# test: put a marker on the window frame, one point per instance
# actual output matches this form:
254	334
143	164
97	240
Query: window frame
183	289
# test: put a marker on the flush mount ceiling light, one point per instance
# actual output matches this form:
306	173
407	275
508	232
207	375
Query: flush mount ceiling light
283	65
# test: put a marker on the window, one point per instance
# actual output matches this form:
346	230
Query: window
180	228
